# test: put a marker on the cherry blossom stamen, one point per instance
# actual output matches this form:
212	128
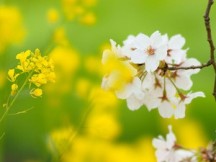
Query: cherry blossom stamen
150	51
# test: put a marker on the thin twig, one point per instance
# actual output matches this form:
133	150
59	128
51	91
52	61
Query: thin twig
187	68
210	40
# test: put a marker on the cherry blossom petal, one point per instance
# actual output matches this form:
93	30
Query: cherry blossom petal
191	62
159	143
176	42
151	63
170	137
130	39
191	96
142	40
133	103
161	52
183	82
165	109
170	89
178	55
151	102
147	82
156	40
180	111
138	56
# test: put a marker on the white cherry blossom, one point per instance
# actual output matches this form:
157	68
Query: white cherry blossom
175	53
182	78
149	50
144	77
133	93
165	147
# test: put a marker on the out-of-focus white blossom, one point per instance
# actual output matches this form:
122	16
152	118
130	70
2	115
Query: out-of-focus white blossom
167	149
132	93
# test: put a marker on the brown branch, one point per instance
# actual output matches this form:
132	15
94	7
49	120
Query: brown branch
187	68
210	40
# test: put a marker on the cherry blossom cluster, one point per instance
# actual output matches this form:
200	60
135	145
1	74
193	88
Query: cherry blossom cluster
146	70
167	150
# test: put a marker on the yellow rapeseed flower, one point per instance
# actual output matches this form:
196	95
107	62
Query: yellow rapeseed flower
36	92
12	76
14	88
38	79
39	70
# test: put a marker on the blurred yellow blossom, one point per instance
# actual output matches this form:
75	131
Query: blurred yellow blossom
189	129
116	72
103	126
91	65
59	139
83	87
192	130
88	18
89	3
88	149
79	10
52	15
145	149
102	99
3	77
11	26
60	37
66	59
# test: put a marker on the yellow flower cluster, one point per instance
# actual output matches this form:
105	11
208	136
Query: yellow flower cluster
40	71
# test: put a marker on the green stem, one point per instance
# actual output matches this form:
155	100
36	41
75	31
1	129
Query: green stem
9	105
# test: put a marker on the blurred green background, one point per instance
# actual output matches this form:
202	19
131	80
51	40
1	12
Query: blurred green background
74	33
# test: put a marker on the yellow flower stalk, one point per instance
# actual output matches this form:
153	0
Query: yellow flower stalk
38	70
